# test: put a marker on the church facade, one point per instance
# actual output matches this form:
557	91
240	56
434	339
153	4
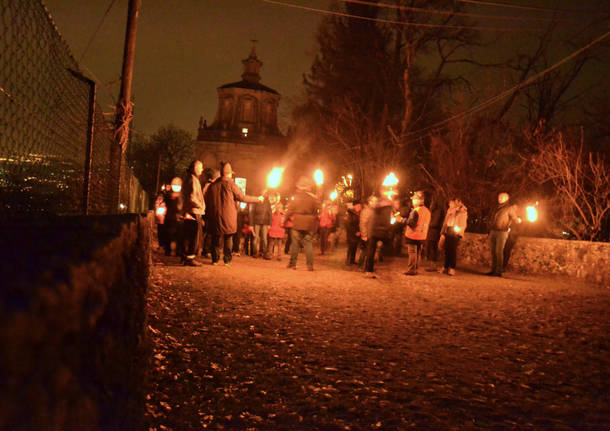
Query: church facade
245	130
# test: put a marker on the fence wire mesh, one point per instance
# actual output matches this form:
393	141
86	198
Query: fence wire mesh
45	110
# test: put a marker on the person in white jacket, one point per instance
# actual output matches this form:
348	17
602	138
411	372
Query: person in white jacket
451	232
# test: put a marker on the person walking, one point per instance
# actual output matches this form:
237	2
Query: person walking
379	229
276	231
366	216
326	221
173	216
453	228
222	199
261	218
352	232
437	216
193	210
416	231
302	210
504	215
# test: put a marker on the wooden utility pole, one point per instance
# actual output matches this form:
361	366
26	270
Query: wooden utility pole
124	105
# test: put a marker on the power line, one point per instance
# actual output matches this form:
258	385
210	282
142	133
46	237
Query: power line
99	26
406	23
452	13
520	7
505	93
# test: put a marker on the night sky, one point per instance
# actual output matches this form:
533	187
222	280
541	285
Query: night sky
185	49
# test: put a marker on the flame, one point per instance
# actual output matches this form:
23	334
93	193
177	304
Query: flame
393	220
531	213
176	188
243	205
334	195
390	180
275	177
318	177
456	229
160	211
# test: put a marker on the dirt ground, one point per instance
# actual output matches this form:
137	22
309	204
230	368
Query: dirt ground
257	346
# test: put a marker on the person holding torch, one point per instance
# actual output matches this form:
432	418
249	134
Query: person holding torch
452	231
416	232
504	215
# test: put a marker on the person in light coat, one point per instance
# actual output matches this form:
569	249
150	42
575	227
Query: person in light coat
452	231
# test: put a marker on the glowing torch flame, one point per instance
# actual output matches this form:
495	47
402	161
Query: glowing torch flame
243	205
334	195
160	211
390	180
318	177
275	177
531	213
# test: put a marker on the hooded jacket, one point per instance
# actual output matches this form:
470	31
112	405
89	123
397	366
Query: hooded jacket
221	200
303	211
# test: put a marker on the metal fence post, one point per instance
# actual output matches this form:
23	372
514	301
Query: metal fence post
89	146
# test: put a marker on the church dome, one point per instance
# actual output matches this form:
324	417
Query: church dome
246	109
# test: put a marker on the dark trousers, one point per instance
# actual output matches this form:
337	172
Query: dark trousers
371	247
508	247
434	234
352	248
162	235
305	239
248	244
172	232
288	240
324	232
191	234
451	246
227	248
497	240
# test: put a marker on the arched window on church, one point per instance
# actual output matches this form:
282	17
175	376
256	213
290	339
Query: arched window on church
247	110
226	113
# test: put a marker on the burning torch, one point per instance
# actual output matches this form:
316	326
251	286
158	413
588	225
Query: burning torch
318	177
389	182
275	178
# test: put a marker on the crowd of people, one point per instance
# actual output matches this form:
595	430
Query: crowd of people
195	219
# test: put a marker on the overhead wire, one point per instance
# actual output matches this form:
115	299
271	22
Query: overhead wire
452	13
99	26
504	94
405	23
521	7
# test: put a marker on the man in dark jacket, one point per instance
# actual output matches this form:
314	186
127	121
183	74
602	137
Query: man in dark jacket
261	218
504	215
437	215
352	231
303	211
222	199
380	229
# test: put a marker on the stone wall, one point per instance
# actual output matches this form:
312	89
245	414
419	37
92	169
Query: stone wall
581	259
72	323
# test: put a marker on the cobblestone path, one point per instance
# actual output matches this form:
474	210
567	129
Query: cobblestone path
258	346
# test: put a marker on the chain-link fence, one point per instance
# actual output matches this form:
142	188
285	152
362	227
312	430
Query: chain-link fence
57	151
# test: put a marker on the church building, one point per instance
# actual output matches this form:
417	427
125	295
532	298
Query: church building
245	130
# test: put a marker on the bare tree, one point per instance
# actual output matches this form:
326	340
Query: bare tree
580	180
